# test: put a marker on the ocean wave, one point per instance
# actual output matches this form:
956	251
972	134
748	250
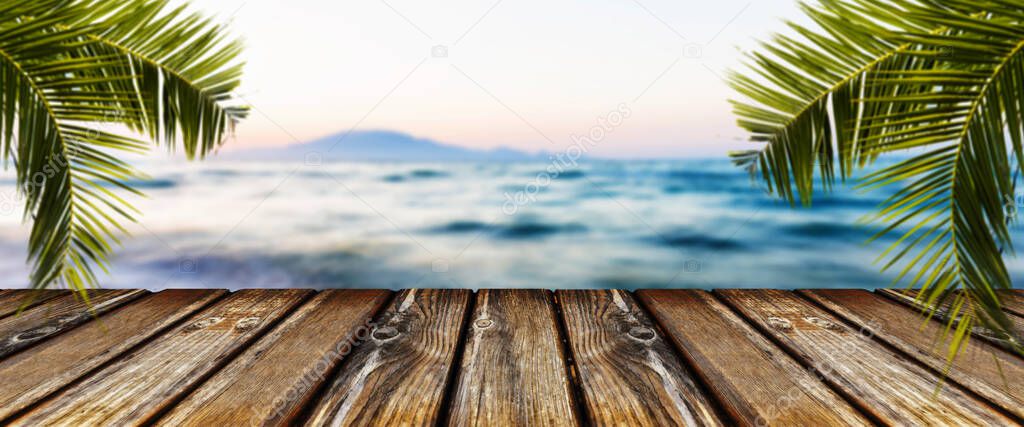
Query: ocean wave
569	234
461	227
705	175
525	187
570	174
232	173
692	240
514	231
155	184
707	181
532	230
830	230
595	192
415	175
336	268
428	173
820	202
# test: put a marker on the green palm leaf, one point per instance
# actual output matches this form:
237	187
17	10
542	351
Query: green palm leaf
958	192
802	94
949	89
187	69
72	73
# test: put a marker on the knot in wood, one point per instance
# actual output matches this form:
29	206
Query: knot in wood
483	323
35	333
203	323
822	323
384	333
780	323
641	333
247	323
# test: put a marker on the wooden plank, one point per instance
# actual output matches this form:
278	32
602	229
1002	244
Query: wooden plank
513	371
628	372
899	326
13	300
908	298
58	315
137	387
891	388
1013	302
755	381
271	382
29	376
399	377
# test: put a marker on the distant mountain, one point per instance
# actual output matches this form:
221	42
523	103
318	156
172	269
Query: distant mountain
380	146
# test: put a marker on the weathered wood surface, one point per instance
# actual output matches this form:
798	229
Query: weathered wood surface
513	369
629	373
903	328
58	315
756	382
136	388
909	298
400	375
1013	301
11	301
271	381
27	377
891	388
496	357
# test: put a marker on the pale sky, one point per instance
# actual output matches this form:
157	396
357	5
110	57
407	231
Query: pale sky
526	74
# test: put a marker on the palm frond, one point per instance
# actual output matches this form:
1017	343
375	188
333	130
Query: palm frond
946	84
58	168
800	96
74	72
185	65
969	117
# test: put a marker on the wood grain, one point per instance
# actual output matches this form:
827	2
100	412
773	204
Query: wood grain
137	387
29	376
629	374
513	371
893	389
899	326
908	298
400	375
13	300
272	380
58	315
757	383
1013	302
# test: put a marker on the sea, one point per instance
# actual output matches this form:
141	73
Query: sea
693	223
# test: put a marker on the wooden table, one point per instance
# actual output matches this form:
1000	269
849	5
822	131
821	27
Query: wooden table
494	357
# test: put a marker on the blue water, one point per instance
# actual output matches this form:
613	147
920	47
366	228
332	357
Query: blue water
623	224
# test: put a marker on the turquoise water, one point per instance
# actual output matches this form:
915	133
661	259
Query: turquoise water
628	224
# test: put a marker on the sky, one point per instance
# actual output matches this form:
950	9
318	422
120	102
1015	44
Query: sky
526	74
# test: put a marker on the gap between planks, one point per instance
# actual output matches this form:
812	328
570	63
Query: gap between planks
984	369
576	392
882	383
